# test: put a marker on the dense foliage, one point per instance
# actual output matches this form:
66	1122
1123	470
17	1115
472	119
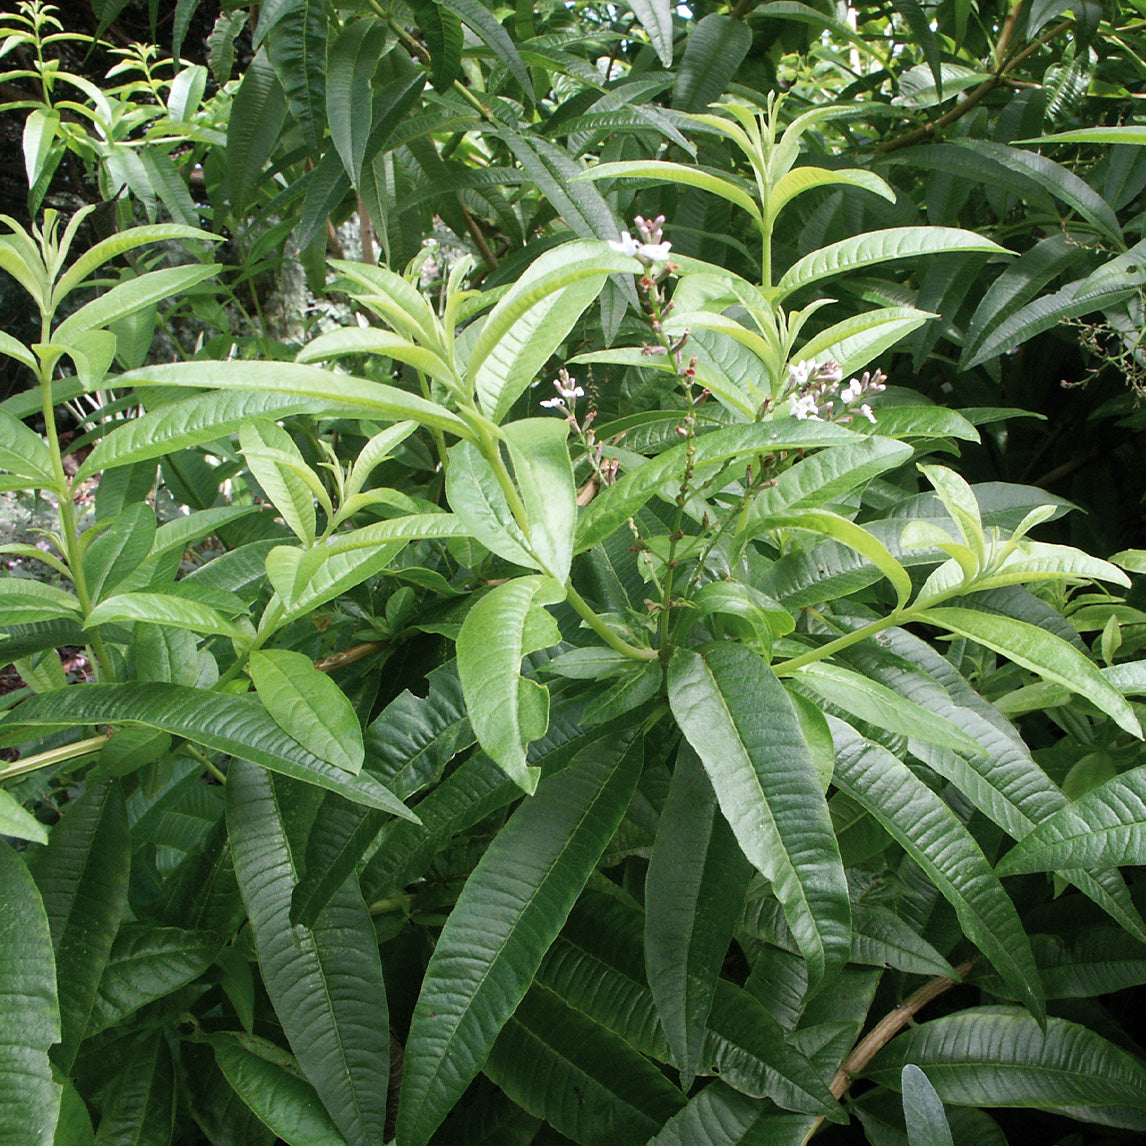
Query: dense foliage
585	651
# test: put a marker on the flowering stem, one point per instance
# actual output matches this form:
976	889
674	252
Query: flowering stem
585	611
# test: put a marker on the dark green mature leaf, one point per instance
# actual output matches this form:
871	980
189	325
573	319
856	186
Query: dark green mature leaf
589	1084
140	1105
325	982
296	48
146	963
482	23
738	718
444	38
721	1116
284	1102
939	843
509	912
29	1011
716	47
257	115
694	891
237	725
999	1056
351	64
82	875
1105	827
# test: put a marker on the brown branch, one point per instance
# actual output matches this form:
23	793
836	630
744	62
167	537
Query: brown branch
886	1029
918	134
349	656
479	239
366	233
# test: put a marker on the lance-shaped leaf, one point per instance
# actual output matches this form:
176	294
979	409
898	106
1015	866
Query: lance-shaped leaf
1040	651
119	549
139	1105
801	179
661	171
18	823
167	609
939	843
325	981
716	47
24	601
309	706
509	912
999	1056
480	502
543	474
296	47
656	19
738	718
507	710
561	1066
283	1101
277	464
82	875
923	1110
721	1116
29	1012
481	21
335	391
237	725
351	64
1104	828
879	247
694	891
22	452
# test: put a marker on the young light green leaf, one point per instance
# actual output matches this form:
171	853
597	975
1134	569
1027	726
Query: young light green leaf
368	340
694	891
801	179
479	501
509	912
119	549
237	725
325	981
507	710
266	447
82	875
1041	652
737	716
18	823
24	602
856	341
307	705
543	474
29	1011
661	171
23	453
939	843
167	609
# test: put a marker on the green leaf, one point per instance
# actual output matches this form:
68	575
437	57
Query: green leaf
858	340
29	1012
296	48
922	1110
129	297
614	505
694	890
655	17
715	49
721	1116
801	179
18	823
880	938
336	391
237	725
560	1066
82	875
509	912
367	340
999	1056
507	710
119	549
1104	828
146	963
533	317
939	843
307	705
325	982
275	460
139	1105
485	27
660	171
444	38
23	601
167	609
737	716
874	703
879	247
543	474
284	1102
478	499
1129	133
351	64
23	453
257	114
1041	652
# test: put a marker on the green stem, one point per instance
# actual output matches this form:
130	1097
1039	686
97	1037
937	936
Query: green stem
585	611
267	627
53	757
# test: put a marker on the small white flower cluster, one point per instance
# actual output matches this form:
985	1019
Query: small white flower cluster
650	247
810	385
567	392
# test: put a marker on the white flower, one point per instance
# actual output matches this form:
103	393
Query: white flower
798	374
627	246
865	410
830	372
853	391
553	403
568	391
655	252
803	408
